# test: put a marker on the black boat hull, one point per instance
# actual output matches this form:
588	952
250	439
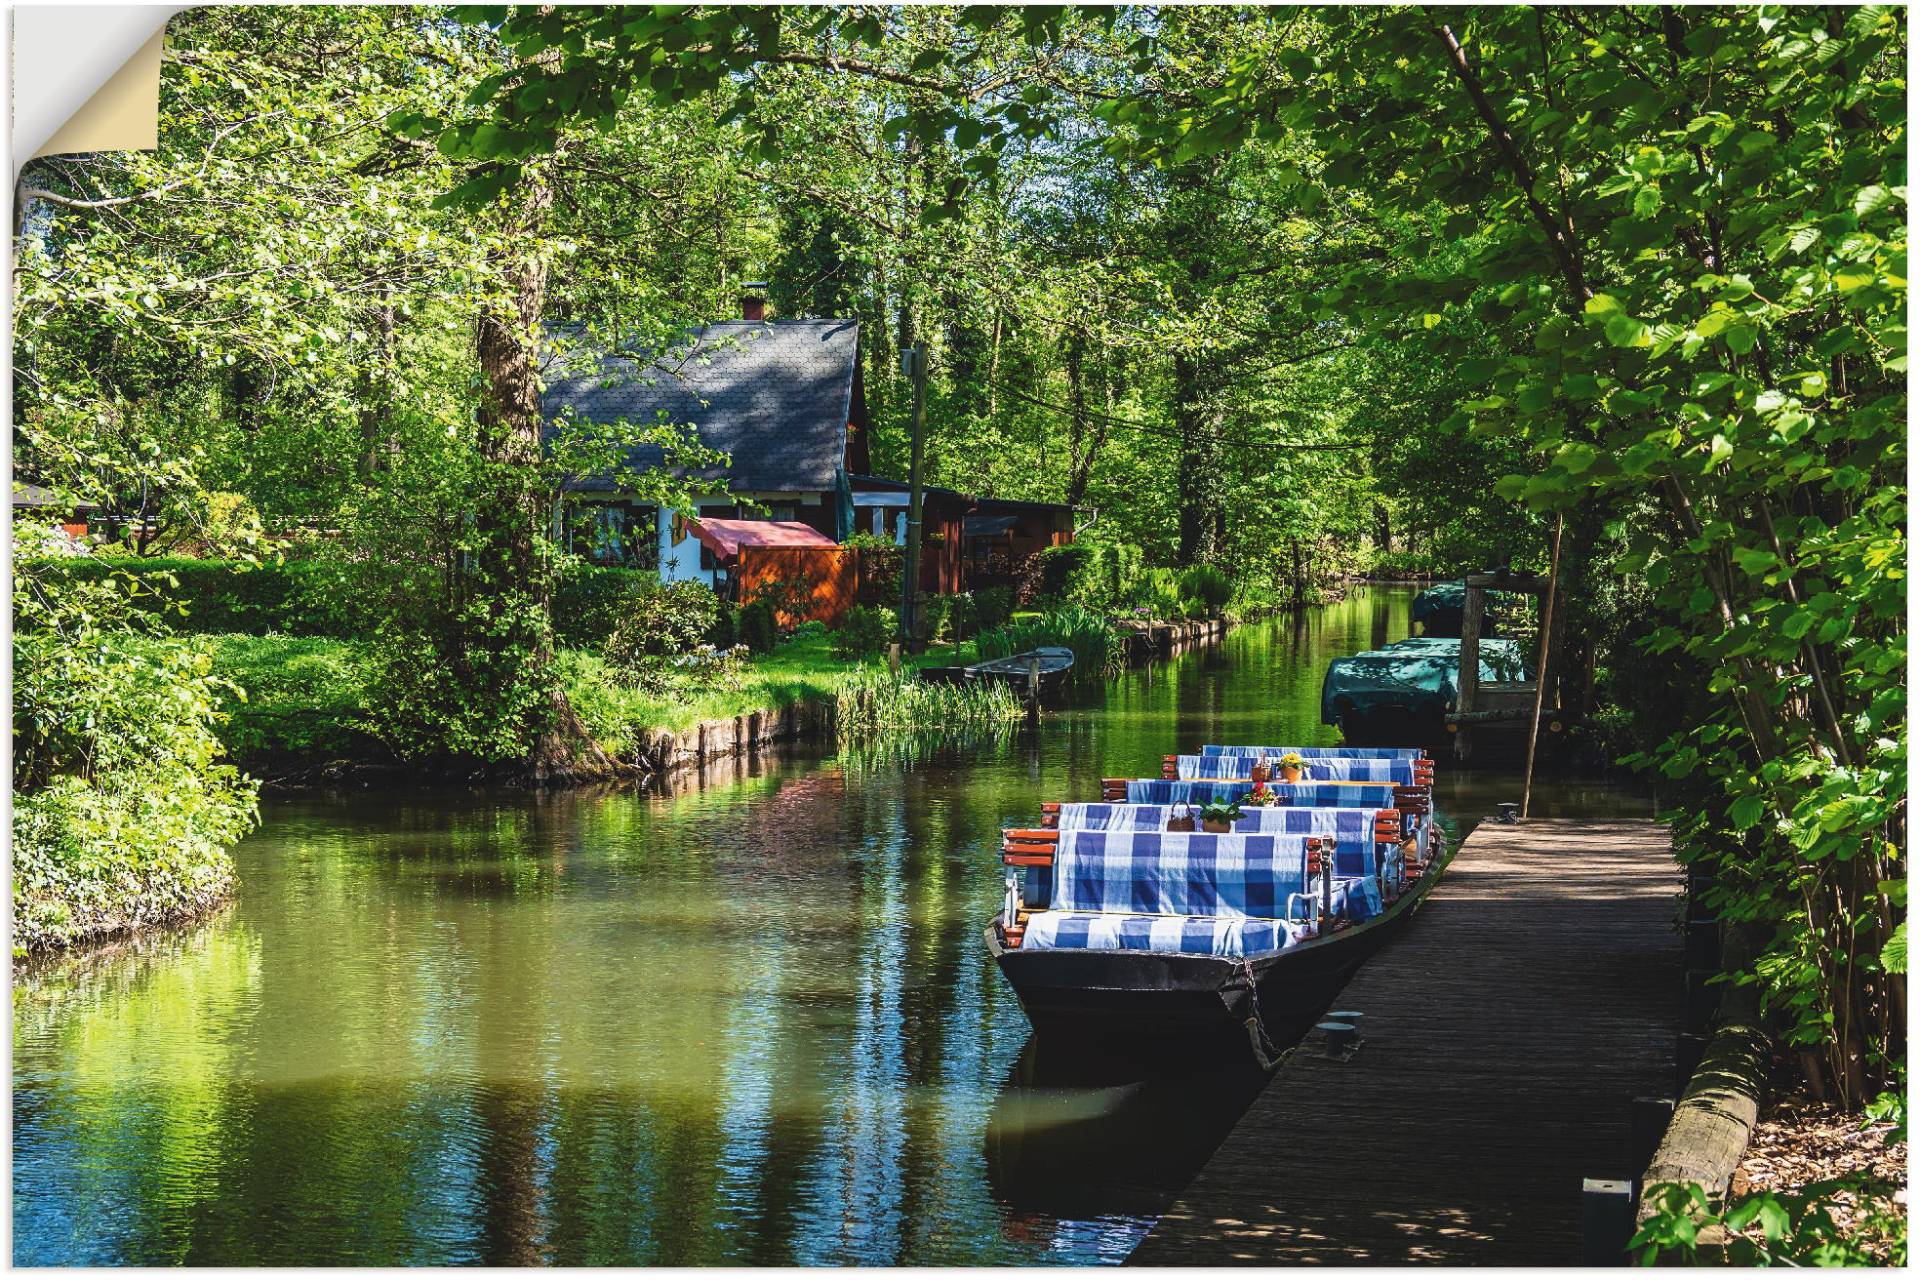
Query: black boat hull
1260	1001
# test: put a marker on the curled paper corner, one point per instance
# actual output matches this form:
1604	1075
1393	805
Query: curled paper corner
86	78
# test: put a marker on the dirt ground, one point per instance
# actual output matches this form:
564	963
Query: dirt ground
1801	1142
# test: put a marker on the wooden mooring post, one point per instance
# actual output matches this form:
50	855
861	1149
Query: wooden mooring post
1494	1116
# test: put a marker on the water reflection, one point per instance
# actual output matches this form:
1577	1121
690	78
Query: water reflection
750	1023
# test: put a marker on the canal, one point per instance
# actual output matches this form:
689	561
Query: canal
750	1023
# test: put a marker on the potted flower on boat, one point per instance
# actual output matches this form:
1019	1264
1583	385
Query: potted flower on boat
1290	766
1262	795
1218	816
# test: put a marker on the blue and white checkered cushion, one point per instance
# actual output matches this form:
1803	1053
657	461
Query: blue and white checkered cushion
1184	935
1166	791
1351	829
1316	769
1389	771
1358	899
1168	873
1212	766
1326	753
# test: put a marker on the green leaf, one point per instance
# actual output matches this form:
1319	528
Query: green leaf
1871	200
1602	304
1893	956
1625	331
1744	812
1741	337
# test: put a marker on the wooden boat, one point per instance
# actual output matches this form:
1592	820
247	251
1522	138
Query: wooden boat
1259	1001
1051	664
1404	691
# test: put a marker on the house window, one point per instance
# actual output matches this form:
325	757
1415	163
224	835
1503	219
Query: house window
614	533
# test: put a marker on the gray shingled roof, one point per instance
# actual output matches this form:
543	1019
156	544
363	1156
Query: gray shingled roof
773	394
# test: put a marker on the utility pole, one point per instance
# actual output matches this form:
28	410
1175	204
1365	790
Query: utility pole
913	363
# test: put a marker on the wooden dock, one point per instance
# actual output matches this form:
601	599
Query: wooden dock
1505	1035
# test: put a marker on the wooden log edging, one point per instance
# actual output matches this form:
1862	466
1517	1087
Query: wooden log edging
665	751
1716	1116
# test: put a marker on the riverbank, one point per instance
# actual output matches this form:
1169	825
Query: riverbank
295	714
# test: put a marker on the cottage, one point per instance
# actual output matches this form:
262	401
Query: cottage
783	398
1001	535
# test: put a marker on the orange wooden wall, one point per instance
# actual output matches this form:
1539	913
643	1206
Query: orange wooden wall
833	572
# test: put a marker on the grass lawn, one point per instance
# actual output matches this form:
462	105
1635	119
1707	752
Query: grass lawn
305	694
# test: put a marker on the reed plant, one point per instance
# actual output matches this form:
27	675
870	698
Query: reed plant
873	700
1098	649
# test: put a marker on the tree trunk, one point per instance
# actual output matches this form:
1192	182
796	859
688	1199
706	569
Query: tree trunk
513	571
1195	478
376	388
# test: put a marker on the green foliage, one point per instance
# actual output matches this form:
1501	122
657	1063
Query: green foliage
302	695
758	628
122	811
1096	644
864	631
591	600
874	700
1094	575
294	597
1219	811
881	563
1207	586
992	606
1771	1229
661	620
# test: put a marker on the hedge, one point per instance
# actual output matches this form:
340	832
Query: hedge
296	597
318	597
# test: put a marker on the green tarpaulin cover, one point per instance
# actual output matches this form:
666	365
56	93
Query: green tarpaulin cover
1440	608
1421	675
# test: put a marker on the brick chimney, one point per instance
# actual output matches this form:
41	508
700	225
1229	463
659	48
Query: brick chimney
753	301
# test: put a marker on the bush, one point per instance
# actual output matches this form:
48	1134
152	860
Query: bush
1159	593
1064	570
790	598
1093	575
295	597
864	631
945	618
662	620
964	618
759	628
590	601
1209	586
121	815
992	606
881	562
725	632
301	693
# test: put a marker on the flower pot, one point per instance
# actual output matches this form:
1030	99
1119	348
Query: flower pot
1291	772
1217	828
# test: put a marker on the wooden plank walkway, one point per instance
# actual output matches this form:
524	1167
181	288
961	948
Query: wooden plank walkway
1506	1032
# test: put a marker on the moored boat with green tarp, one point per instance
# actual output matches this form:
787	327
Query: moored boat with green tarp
1440	610
1403	692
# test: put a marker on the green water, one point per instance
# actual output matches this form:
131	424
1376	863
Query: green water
749	1023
